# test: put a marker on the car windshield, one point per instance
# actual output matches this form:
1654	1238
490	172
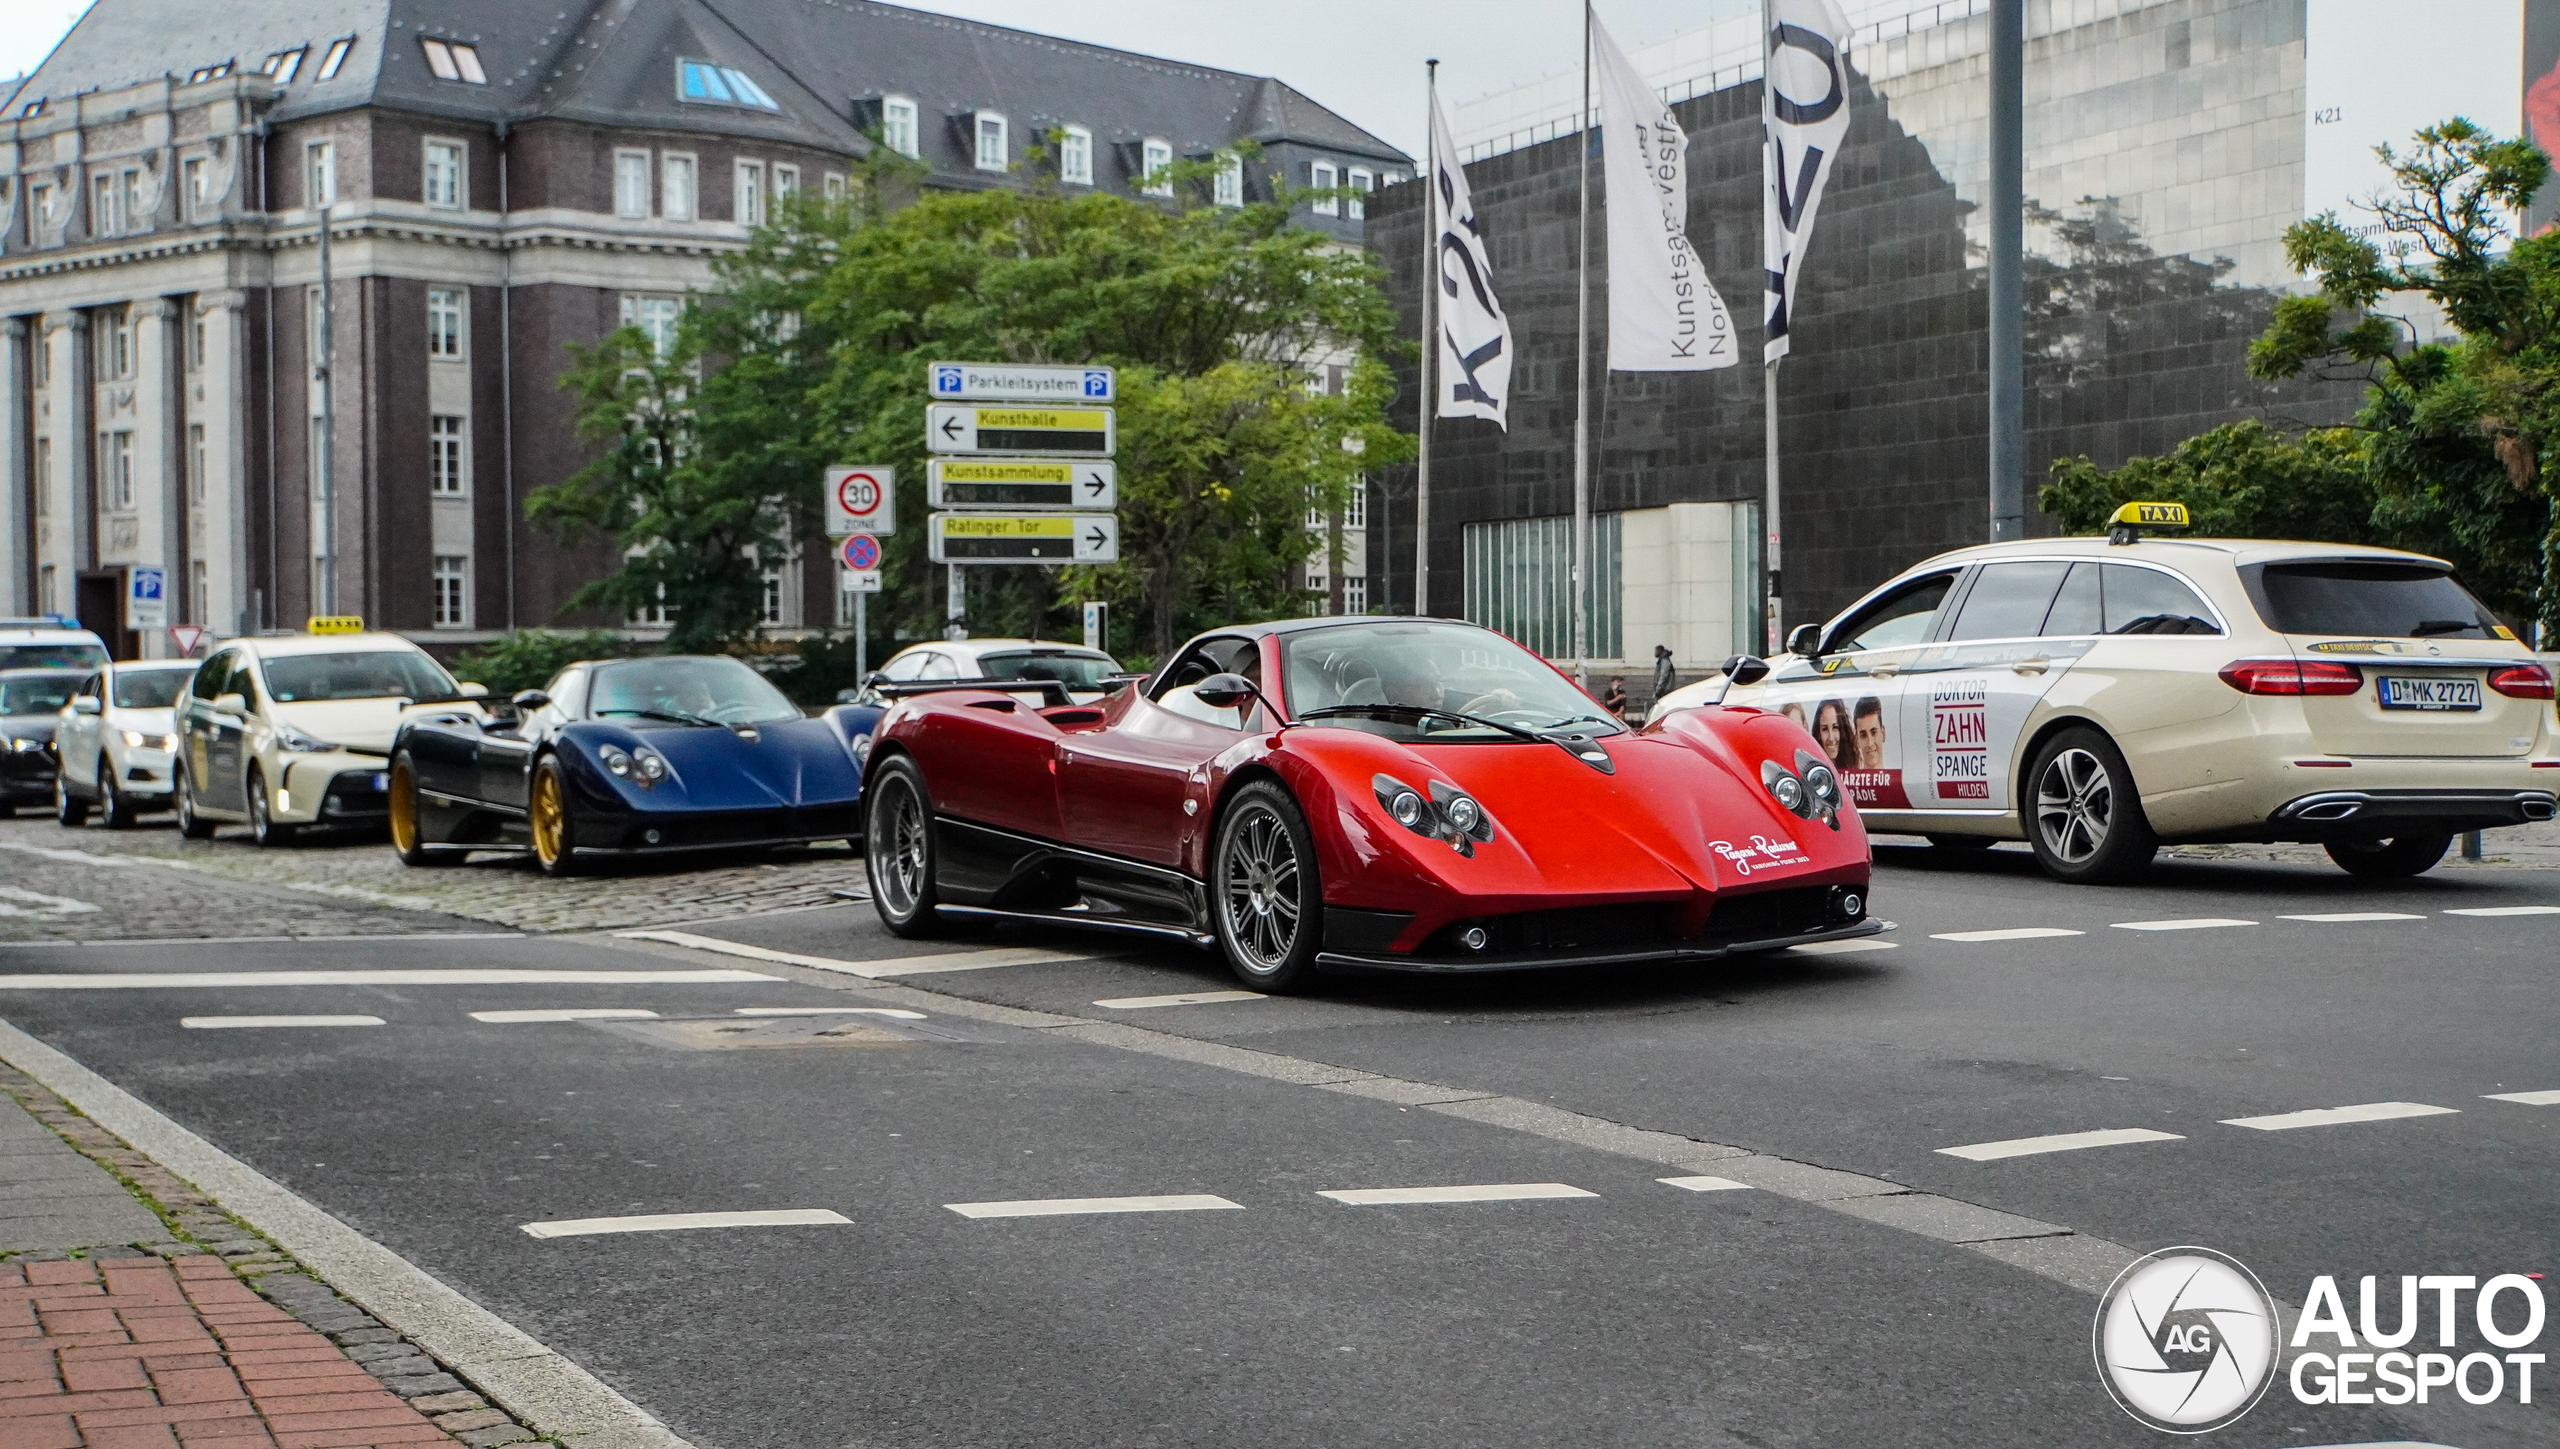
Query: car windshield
1404	668
37	693
2381	600
68	654
688	689
1075	668
380	674
150	688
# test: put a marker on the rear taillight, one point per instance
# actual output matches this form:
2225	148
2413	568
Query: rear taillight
2522	681
2292	676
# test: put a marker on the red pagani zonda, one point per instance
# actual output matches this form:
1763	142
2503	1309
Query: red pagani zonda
1414	794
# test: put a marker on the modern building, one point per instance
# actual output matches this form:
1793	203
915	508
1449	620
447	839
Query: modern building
500	183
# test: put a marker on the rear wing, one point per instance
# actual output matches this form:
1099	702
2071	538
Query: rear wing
1054	691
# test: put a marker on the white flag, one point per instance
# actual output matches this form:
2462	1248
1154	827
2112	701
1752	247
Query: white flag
1475	338
1664	315
1804	113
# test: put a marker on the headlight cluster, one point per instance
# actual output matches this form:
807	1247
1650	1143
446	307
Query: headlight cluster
644	767
24	746
1810	790
296	742
1449	814
862	749
137	740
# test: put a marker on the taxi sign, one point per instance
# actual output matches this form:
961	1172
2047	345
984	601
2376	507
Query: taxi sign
994	428
1022	483
2152	515
1060	538
334	624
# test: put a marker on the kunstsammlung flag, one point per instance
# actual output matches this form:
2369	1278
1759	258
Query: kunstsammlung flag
1664	315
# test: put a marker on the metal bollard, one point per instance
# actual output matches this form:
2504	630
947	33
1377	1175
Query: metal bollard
2471	845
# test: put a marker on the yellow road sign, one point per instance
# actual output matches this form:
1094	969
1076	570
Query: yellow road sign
996	428
1022	483
976	538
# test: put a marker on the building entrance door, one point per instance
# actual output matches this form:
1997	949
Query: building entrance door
101	607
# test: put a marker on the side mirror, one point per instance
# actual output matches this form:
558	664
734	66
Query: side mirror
85	704
471	690
1746	669
875	677
848	696
1225	691
230	704
527	700
1806	641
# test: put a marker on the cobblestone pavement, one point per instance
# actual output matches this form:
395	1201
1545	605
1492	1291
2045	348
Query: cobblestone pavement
140	882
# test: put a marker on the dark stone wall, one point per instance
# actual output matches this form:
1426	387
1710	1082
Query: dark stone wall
548	318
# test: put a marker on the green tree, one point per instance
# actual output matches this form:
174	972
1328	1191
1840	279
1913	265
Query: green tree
2241	480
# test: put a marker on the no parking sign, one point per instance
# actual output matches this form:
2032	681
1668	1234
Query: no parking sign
861	553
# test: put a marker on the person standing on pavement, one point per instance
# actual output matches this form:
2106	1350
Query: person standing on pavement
1665	678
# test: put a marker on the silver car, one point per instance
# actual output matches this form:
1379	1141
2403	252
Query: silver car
117	742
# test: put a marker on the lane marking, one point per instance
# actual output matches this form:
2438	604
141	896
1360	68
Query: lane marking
1845	948
888	1011
40	904
566	1013
2192	923
121	941
1187	998
454	976
986	960
2014	933
208	1023
2057	1142
2506	911
1052	1207
670	1222
1479	1192
2528	1099
2333	1116
71	857
1702	1184
2344	917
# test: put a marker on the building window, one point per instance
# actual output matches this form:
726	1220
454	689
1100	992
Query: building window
200	597
1229	189
749	210
703	83
115	460
990	131
453	61
444	322
772	596
444	174
898	124
195	463
1355	595
1323	177
1518	576
452	576
655	316
204	73
1355	510
199	320
1075	156
115	354
445	477
44	361
1154	158
835	186
311	330
1356	205
653	614
320	174
631	183
282	66
39	209
786	183
198	188
129	209
44	477
336	57
102	208
675	188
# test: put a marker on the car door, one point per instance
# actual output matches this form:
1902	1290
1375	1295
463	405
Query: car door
77	738
1849	698
227	781
1121	788
2016	625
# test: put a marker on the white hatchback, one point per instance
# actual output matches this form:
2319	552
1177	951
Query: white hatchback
117	743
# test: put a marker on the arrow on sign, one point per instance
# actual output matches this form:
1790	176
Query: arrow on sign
951	427
1097	538
1096	485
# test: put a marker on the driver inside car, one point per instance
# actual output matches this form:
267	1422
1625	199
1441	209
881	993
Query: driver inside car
1412	678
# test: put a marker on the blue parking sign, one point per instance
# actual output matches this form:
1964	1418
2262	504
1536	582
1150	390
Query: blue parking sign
1097	383
948	381
148	585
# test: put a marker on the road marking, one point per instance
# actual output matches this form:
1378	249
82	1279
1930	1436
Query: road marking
2344	917
1479	1192
1187	998
2191	923
70	857
2529	1099
2014	933
872	970
2506	911
888	1011
122	941
669	1222
566	1013
1702	1184
2333	1116
2058	1142
207	1023
40	904
454	976
1051	1207
1844	948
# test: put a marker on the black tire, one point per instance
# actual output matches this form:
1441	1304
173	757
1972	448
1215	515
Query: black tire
407	821
2398	858
2082	814
553	825
1962	844
1265	899
898	854
191	825
115	808
69	810
264	827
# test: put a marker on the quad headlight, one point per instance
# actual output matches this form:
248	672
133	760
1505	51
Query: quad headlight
617	760
1449	814
644	766
1810	790
137	740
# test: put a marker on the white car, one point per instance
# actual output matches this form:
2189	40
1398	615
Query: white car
117	744
278	732
48	642
1085	672
2097	698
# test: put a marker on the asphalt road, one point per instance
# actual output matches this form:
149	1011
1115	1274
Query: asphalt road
1641	1314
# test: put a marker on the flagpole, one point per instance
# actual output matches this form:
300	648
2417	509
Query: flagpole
1775	611
1430	403
1582	378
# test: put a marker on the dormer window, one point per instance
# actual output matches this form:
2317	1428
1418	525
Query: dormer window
204	73
989	128
1075	156
1155	158
898	124
31	108
704	83
337	57
451	60
1356	205
1229	189
1323	177
282	66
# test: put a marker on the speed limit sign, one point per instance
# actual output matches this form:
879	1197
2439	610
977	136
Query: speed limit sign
861	500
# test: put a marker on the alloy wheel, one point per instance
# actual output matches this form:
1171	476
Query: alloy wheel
404	809
549	818
897	846
1260	876
2075	806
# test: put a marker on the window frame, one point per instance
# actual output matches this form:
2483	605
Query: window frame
116	470
198	458
1228	187
1155	154
636	307
195	186
459	180
1833	640
748	190
319	174
439	55
1324	176
448	455
284	65
102	205
623	159
980	123
1075	155
786	184
335	59
901	118
1361	182
448	305
670	163
458	579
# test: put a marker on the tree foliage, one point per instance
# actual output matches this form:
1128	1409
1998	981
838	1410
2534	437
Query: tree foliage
2241	480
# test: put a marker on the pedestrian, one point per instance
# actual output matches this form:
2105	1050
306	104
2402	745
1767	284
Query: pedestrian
1614	700
1665	678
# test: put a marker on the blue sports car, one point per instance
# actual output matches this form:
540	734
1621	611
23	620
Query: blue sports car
630	757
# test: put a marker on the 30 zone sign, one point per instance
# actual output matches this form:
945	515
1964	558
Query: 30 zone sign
861	500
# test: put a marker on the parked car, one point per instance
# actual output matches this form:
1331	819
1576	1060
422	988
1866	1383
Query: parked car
117	744
279	732
628	757
47	641
31	702
2098	697
1087	673
1415	795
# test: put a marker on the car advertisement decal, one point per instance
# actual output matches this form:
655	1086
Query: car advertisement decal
1960	740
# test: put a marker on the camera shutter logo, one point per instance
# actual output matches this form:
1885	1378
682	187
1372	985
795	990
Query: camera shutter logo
2186	1340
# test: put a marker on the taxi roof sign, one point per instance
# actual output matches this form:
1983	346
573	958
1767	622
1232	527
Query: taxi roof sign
334	624
2130	520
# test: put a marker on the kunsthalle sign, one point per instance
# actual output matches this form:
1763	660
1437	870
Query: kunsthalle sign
1013	428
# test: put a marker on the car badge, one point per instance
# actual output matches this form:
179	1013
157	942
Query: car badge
2435	649
748	733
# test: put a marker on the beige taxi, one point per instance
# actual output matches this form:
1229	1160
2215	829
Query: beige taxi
2099	697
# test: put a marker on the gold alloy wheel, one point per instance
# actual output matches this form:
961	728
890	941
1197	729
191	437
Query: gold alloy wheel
404	809
549	818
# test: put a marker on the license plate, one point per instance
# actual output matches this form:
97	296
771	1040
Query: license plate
382	779
2402	692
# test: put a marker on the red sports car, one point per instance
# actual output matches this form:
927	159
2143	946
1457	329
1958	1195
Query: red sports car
1413	794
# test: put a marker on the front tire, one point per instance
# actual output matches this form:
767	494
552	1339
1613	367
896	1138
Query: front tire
115	808
898	854
69	810
555	843
264	827
2398	858
408	830
2083	816
1264	896
191	826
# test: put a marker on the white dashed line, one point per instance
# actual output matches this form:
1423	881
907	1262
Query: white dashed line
2192	923
2340	918
669	1222
1479	1192
1052	1207
2528	1099
2014	933
567	1013
2058	1142
37	903
153	980
1843	948
209	1023
874	970
2506	911
1188	998
888	1011
2335	1116
1702	1184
